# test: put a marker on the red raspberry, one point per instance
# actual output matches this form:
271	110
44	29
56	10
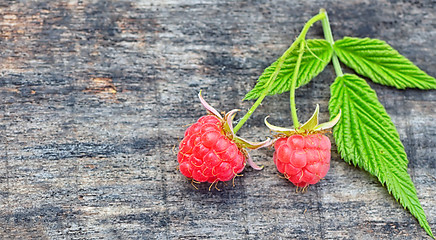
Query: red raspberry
302	159
304	155
211	151
206	154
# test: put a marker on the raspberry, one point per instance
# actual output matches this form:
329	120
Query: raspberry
303	159
303	156
211	151
207	155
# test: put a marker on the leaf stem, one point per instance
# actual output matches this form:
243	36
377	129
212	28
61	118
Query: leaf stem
329	37
294	84
282	59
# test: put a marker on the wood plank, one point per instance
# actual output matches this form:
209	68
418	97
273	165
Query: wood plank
95	96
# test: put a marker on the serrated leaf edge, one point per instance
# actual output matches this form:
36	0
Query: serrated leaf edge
410	200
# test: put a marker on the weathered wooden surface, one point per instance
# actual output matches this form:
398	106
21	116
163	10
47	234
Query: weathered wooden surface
95	95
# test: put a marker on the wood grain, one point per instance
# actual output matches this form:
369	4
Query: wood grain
95	96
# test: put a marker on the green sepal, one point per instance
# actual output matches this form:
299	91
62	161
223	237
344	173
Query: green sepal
309	127
312	122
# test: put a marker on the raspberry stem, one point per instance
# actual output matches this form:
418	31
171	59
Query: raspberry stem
329	38
299	40
293	85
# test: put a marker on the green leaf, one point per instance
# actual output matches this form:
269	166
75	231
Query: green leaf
366	136
316	56
375	59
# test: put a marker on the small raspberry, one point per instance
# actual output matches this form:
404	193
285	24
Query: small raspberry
303	155
206	154
302	159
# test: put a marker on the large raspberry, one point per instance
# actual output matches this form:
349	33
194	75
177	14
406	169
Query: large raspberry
206	154
211	151
302	159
